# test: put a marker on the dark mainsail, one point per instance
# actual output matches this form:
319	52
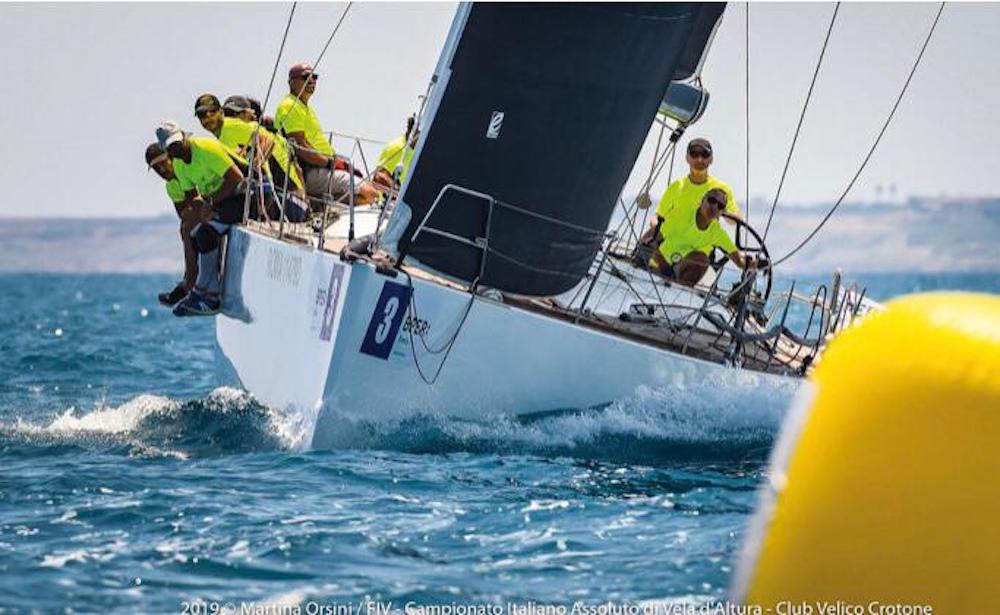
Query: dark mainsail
701	35
545	109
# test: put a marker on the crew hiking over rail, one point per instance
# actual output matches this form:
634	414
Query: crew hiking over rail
294	174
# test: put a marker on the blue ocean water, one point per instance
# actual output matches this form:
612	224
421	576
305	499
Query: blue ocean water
129	482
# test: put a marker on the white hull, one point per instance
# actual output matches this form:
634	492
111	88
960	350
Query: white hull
303	331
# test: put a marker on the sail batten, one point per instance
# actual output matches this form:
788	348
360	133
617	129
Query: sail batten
545	108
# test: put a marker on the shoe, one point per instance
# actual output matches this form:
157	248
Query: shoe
173	296
197	304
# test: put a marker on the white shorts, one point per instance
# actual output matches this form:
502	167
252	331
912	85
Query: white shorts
321	181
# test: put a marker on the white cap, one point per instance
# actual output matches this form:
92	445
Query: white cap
169	132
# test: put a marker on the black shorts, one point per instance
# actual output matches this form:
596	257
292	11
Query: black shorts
230	211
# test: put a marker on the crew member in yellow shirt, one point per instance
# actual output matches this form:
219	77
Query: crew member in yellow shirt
397	155
189	211
297	120
689	234
689	190
272	151
204	167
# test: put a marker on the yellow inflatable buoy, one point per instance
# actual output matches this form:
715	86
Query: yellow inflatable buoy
884	489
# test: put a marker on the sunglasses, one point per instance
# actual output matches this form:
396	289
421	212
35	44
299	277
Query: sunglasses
699	153
313	76
205	112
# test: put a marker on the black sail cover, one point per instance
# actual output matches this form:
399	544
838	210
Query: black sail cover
545	110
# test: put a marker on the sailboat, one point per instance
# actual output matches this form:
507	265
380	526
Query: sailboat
504	291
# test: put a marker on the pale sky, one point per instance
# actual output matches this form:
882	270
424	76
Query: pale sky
86	84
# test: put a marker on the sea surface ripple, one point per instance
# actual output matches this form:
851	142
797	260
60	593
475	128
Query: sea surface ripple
130	482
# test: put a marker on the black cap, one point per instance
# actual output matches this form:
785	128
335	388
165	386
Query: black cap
255	105
152	151
237	104
206	102
702	143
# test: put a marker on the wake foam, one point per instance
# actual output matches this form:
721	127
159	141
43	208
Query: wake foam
225	421
731	416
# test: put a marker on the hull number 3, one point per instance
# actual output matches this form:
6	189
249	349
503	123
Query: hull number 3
387	317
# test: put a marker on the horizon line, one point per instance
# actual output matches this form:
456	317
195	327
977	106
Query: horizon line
900	202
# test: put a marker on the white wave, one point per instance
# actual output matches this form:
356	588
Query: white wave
111	420
58	560
735	410
100	553
288	427
546	505
722	404
715	409
69	516
130	422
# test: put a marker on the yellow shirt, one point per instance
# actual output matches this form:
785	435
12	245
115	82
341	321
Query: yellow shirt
395	152
681	236
236	135
174	189
293	115
686	194
208	166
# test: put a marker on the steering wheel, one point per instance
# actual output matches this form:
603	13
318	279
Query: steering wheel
752	245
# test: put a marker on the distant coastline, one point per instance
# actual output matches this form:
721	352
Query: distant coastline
919	235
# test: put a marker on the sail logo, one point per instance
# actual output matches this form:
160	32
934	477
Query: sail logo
496	122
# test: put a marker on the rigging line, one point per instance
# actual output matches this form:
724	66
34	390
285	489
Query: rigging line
654	173
412	312
629	223
652	278
647	185
670	171
658	164
277	60
624	277
332	34
668	154
746	201
802	116
359	138
878	138
263	107
315	65
551	220
656	154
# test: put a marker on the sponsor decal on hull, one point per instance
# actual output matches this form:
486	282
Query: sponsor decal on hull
283	267
388	316
332	302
